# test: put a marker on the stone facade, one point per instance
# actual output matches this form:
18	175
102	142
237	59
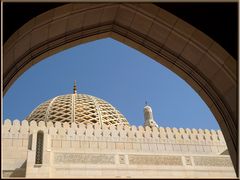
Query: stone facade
172	42
81	151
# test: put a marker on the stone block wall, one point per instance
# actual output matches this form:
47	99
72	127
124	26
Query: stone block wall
136	147
14	148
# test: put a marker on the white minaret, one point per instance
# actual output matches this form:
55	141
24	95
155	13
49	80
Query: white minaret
148	117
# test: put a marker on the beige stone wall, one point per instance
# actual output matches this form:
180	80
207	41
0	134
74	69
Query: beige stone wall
14	148
71	150
138	165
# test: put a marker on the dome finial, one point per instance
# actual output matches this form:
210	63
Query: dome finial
75	87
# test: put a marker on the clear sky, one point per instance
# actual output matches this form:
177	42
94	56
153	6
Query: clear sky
117	74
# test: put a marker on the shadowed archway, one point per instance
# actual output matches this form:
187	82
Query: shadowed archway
185	50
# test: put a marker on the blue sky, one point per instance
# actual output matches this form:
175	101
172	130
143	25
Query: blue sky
116	73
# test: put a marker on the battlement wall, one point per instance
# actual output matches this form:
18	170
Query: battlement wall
68	141
22	129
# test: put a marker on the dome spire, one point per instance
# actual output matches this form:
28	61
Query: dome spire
75	87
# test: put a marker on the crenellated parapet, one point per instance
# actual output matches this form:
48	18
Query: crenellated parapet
21	129
38	147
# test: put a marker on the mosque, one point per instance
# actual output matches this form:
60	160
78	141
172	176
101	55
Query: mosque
82	136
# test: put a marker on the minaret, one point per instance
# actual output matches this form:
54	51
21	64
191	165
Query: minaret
75	87
148	117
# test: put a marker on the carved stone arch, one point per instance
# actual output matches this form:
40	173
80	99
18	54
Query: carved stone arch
195	57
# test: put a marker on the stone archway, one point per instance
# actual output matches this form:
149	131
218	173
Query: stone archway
196	58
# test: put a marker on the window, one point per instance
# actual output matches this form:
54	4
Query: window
39	148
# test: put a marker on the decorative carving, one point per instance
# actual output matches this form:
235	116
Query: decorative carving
155	160
212	161
121	159
188	161
86	158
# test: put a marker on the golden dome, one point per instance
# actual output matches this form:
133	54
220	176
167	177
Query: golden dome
78	108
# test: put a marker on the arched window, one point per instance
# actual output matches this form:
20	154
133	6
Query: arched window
39	148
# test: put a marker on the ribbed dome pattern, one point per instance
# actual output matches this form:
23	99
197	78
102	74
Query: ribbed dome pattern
78	108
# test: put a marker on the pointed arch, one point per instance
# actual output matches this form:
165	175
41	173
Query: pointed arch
185	50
